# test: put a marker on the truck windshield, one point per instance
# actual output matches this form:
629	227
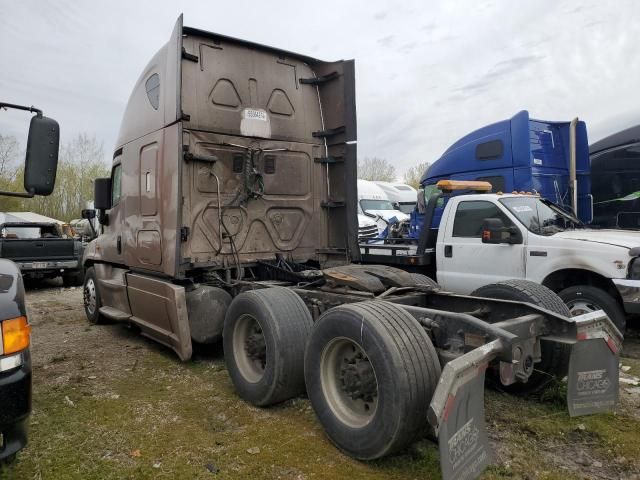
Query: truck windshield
370	204
407	207
540	216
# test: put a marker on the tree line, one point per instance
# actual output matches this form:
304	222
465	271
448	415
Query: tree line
81	160
380	169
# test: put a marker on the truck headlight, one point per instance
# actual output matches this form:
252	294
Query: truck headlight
634	269
15	335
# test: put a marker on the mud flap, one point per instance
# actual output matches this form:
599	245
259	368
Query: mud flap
457	414
593	377
463	443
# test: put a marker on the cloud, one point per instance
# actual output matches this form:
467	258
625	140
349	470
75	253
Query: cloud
500	69
425	76
386	41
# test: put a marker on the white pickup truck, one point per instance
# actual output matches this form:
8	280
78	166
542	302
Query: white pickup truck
486	238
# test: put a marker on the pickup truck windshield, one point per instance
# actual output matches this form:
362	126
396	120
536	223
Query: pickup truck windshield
540	216
369	204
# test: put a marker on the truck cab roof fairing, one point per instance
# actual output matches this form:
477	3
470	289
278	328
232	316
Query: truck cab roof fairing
140	115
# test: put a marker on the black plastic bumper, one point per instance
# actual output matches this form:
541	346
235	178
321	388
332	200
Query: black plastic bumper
15	406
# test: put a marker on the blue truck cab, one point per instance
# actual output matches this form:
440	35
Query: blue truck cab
517	154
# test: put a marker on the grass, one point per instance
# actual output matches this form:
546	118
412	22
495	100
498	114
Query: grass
166	419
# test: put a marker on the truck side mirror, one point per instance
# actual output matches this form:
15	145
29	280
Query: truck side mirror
494	232
41	162
88	214
102	193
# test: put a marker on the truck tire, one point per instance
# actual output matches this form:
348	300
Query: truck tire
264	337
555	356
584	298
73	279
371	371
421	279
91	298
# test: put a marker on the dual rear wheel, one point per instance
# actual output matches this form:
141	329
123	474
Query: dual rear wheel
369	368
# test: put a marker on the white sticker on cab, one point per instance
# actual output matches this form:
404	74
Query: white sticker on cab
251	114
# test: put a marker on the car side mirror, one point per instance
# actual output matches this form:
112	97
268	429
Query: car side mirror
88	213
494	232
41	162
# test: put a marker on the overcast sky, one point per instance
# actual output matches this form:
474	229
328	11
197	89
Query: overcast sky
427	72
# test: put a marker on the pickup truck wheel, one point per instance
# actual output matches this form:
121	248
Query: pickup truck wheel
421	279
91	297
555	356
264	336
370	370
584	299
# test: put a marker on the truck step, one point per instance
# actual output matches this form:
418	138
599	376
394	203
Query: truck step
115	314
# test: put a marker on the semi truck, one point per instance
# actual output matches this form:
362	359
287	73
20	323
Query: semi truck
518	154
616	180
230	216
40	167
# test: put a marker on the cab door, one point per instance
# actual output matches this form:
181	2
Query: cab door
464	262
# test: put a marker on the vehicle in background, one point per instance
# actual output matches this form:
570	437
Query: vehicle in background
40	248
615	183
486	238
228	218
367	228
374	203
518	154
40	168
404	197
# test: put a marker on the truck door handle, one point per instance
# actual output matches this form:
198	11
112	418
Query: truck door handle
119	244
448	251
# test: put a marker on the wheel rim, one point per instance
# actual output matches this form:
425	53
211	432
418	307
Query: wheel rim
90	296
349	382
579	307
249	348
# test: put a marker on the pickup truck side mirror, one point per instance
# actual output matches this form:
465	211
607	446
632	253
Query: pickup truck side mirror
494	232
41	161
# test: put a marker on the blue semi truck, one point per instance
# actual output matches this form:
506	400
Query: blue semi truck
518	154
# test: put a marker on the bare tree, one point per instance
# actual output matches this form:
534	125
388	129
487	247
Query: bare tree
376	169
9	151
413	175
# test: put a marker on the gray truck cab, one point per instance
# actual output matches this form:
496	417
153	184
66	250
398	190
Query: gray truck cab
15	359
231	215
218	165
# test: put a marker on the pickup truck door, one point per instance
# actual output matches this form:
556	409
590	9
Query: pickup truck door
465	263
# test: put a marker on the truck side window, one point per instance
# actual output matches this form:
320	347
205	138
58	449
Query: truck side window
491	150
152	85
116	188
470	216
